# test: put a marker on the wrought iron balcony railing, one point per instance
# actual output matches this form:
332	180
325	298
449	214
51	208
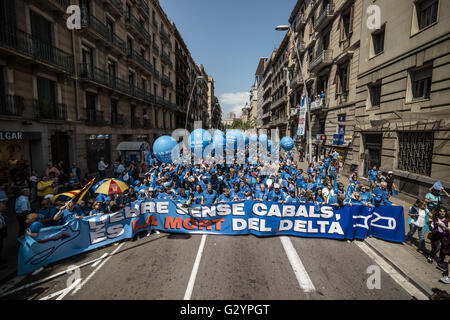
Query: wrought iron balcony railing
94	118
32	46
50	110
165	36
325	57
166	59
117	119
129	18
165	80
144	6
135	124
90	21
11	105
100	76
135	56
325	16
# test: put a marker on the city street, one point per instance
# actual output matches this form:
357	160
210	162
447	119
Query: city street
229	267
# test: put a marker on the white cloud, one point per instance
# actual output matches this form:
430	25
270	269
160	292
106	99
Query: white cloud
233	102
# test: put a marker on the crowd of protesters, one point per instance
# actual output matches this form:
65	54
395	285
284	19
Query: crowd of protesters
203	184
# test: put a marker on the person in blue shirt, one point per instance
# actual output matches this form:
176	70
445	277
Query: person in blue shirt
355	199
261	193
308	197
33	225
381	195
310	185
236	194
326	162
96	210
332	172
46	213
209	197
150	194
276	195
373	177
225	196
68	212
366	197
166	195
182	197
197	195
248	195
291	198
318	198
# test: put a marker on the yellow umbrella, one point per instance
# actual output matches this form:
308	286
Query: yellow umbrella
112	186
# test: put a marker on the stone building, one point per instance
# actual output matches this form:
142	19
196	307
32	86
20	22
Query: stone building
75	95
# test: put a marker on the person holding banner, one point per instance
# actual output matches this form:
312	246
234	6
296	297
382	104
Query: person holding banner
46	213
209	197
261	193
68	212
276	195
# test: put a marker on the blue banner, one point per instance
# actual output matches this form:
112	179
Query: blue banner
237	218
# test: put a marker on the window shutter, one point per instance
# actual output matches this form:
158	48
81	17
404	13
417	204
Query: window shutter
338	81
342	29
348	77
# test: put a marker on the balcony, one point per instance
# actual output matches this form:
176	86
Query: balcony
135	123
11	105
139	61
30	46
164	103
114	6
165	81
324	18
318	105
278	102
117	120
277	122
166	59
301	22
137	27
49	110
143	7
94	74
97	30
94	118
54	5
165	37
146	124
156	73
323	59
155	47
295	81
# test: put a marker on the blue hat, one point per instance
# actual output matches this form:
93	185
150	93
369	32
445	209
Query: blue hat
437	186
137	182
101	198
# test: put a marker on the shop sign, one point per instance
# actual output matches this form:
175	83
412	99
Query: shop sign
11	135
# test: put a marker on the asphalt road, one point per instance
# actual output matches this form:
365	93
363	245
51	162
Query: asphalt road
169	266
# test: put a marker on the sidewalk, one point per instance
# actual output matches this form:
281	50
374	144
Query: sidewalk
402	256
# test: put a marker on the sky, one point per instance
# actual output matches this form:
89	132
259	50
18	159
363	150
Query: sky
229	37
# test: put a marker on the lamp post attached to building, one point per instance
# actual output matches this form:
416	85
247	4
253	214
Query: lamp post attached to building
190	98
289	29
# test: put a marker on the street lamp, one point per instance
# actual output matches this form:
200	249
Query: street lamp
190	97
288	28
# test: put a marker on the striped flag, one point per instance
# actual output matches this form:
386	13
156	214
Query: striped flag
69	194
77	199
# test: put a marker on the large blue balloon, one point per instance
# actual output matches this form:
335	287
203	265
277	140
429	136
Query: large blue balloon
163	147
287	143
263	140
246	138
218	140
269	145
199	139
254	138
234	138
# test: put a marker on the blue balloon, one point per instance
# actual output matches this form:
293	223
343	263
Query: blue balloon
218	140
163	147
263	140
269	145
254	138
199	139
287	143
234	138
246	139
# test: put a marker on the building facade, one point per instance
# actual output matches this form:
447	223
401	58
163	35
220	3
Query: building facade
74	95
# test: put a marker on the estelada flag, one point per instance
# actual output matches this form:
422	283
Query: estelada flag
77	199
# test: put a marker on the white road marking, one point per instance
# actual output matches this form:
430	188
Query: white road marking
300	272
100	259
16	280
190	286
401	280
96	270
62	293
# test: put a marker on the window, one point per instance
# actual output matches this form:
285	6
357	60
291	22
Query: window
346	26
342	79
415	151
421	83
427	12
375	95
41	29
378	41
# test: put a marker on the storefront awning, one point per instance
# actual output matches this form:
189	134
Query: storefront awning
132	146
